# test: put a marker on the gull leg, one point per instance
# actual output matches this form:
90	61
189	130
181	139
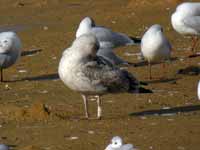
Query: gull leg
85	99
164	68
194	43
150	77
99	110
1	74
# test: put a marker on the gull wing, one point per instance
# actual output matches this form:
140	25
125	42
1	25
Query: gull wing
193	22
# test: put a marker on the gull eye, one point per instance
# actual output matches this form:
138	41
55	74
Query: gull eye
115	143
5	41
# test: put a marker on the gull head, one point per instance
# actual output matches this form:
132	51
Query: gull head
9	41
85	26
156	28
87	45
5	44
116	142
88	21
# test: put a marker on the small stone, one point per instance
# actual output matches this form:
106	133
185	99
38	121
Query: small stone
22	71
45	28
91	132
73	138
7	87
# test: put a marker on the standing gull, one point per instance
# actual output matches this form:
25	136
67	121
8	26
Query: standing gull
154	46
186	21
117	144
91	75
10	50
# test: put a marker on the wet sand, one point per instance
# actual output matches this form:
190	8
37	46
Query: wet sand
37	112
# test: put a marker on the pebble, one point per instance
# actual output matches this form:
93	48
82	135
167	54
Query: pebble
22	71
91	132
45	28
73	138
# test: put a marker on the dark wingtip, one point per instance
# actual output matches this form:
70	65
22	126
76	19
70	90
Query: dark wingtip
136	40
143	90
143	83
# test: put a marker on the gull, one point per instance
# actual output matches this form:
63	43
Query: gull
198	90
10	50
117	144
186	21
106	37
108	40
154	46
4	147
93	76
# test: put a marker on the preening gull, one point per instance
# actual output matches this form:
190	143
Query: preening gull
154	46
186	21
93	76
106	37
4	147
10	50
117	144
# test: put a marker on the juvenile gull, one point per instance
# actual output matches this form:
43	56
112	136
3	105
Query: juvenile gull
186	21
106	37
91	75
154	46
198	90
117	144
10	50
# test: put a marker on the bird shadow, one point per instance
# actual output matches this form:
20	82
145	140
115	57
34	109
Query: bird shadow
145	63
31	52
191	70
170	111
46	77
162	80
53	76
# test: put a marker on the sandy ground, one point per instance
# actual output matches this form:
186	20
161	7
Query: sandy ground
37	112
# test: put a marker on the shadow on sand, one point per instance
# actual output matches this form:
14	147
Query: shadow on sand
145	63
53	76
163	112
191	70
31	52
163	80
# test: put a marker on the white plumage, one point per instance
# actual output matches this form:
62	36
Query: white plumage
108	39
154	46
117	144
186	20
10	50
